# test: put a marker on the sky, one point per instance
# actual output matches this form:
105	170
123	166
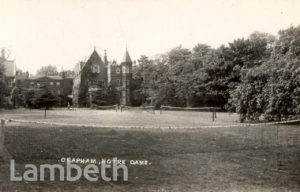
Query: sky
64	32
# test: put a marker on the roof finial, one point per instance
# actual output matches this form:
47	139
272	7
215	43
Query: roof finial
94	48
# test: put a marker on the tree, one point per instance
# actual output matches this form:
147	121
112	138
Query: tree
271	88
108	95
3	86
47	70
67	74
180	73
15	96
202	57
3	91
45	99
225	75
2	70
154	77
284	82
29	97
249	97
138	96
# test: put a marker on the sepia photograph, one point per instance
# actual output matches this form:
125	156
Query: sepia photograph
150	96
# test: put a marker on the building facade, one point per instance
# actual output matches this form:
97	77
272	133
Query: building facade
60	87
95	74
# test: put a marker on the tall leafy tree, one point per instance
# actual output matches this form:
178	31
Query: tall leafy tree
283	86
3	86
67	74
108	95
180	73
153	77
45	99
271	88
15	96
3	91
48	70
29	96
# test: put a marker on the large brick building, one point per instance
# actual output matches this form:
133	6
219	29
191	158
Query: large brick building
94	74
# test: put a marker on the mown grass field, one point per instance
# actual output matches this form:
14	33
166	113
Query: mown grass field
126	118
251	158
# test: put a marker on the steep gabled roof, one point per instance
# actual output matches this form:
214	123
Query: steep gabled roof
126	58
95	57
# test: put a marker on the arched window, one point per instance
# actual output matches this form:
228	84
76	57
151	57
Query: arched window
95	68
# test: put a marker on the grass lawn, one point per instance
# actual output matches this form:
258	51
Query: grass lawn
204	159
126	118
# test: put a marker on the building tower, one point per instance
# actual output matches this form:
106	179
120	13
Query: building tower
126	65
105	58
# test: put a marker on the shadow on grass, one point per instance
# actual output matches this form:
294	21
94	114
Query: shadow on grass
207	159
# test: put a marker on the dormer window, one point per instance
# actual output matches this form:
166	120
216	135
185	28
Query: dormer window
118	70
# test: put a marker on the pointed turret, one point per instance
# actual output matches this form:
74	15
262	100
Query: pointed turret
126	79
126	58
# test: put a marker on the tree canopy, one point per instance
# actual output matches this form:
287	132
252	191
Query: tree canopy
43	98
3	86
48	70
258	76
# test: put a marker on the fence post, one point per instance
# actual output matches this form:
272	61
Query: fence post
213	116
2	134
277	135
262	136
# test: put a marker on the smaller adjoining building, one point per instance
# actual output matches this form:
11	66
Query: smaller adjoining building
16	79
58	86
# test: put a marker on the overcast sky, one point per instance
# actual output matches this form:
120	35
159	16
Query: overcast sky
63	32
